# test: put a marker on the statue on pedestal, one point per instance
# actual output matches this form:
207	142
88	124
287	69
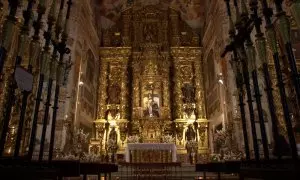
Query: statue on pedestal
113	136
112	144
190	133
191	144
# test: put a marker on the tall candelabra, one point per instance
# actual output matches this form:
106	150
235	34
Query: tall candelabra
44	65
14	70
51	77
62	49
24	39
251	55
241	23
244	28
284	31
8	27
262	54
239	82
9	96
272	41
43	62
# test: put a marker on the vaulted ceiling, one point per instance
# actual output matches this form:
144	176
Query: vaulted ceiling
192	11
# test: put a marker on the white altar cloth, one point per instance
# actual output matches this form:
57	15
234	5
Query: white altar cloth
150	146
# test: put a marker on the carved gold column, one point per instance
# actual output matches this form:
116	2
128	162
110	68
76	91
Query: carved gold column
102	89
178	101
124	91
199	87
166	97
202	127
177	90
166	92
97	145
136	90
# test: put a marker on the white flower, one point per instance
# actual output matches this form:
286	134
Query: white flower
90	157
69	157
215	157
133	139
230	155
168	139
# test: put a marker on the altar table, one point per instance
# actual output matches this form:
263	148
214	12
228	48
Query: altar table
150	152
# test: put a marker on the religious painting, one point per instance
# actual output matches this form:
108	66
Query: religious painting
188	92
150	32
151	105
114	93
191	11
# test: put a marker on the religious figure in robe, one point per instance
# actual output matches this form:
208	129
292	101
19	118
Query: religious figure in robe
149	33
114	93
152	107
188	93
113	136
190	133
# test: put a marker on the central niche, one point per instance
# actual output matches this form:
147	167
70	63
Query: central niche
151	102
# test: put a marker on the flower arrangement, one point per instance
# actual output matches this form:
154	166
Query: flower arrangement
215	157
168	139
90	157
133	139
80	136
68	157
192	144
230	155
220	136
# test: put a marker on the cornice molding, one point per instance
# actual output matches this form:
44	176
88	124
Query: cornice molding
115	52
186	51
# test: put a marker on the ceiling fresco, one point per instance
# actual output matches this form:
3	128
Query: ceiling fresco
191	10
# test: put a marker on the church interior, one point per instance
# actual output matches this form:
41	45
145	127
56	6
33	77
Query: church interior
149	89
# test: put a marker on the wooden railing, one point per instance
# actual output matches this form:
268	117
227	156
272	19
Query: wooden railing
13	168
171	170
263	169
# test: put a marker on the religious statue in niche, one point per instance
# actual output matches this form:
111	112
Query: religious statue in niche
151	104
113	112
114	92
113	136
112	144
190	134
150	33
188	92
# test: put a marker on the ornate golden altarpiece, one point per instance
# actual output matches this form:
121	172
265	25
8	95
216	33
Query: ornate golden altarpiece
150	81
